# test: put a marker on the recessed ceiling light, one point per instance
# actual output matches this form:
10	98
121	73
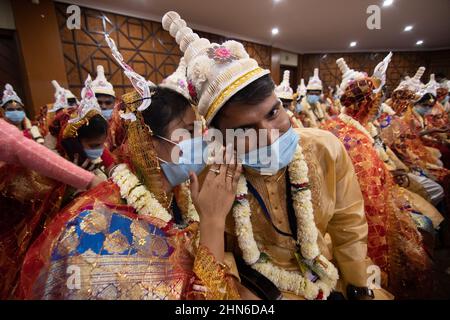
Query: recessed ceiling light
275	31
388	3
419	43
353	44
408	28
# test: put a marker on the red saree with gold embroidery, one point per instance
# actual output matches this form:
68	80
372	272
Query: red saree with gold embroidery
394	243
99	248
28	201
403	138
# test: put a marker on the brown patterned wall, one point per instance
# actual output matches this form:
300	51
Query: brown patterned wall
149	49
153	53
9	63
403	63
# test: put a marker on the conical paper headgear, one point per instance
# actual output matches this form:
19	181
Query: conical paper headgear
284	90
215	72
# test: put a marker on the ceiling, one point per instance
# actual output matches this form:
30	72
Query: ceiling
305	26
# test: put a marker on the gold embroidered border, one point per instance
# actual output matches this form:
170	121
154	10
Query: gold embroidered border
229	90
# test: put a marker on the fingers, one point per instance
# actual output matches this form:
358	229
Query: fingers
213	171
76	157
85	164
231	169
237	175
92	167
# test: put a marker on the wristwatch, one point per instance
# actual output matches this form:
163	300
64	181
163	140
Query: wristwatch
359	293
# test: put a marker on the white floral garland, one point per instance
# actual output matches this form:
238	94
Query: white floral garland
143	201
191	214
292	281
137	194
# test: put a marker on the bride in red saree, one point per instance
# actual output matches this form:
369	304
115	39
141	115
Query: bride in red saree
138	235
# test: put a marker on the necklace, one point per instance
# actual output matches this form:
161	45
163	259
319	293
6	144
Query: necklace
318	276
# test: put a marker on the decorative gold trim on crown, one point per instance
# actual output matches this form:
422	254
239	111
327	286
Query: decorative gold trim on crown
71	130
229	90
132	100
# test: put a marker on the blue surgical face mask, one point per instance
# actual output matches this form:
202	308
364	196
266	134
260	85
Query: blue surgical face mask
15	116
446	99
191	159
421	110
298	107
107	113
93	154
269	160
312	99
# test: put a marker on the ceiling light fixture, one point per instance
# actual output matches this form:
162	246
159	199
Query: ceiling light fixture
388	3
408	28
275	31
353	44
419	43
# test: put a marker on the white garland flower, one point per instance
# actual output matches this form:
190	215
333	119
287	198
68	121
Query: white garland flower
199	72
192	214
307	234
137	195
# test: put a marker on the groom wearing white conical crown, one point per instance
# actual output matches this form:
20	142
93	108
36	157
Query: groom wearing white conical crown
104	92
284	208
315	111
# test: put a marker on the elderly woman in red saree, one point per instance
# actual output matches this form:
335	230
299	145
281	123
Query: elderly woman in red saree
139	235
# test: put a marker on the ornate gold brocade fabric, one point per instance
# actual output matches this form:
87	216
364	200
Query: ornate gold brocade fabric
99	248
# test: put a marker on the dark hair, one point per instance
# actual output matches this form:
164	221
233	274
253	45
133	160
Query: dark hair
254	93
167	105
425	98
96	127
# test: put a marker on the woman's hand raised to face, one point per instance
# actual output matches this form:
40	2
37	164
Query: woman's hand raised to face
215	198
214	201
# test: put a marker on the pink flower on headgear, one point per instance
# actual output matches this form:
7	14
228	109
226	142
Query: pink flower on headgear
221	54
182	83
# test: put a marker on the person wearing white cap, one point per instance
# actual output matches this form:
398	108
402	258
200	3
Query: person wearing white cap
284	91
301	89
387	205
443	94
143	221
415	182
104	92
233	92
286	95
403	132
315	111
330	103
64	98
435	117
13	110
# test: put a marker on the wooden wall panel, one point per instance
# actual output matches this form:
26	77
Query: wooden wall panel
402	64
149	49
155	54
10	64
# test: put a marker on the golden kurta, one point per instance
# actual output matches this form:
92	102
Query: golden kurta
338	209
